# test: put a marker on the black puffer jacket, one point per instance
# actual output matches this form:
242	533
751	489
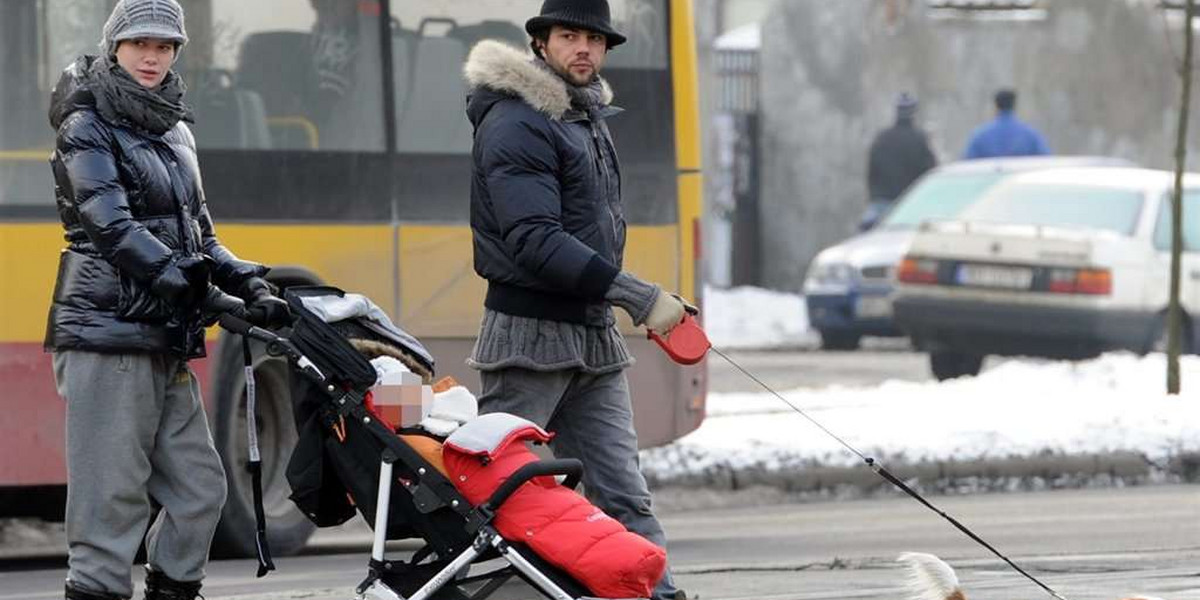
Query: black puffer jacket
546	216
898	157
133	208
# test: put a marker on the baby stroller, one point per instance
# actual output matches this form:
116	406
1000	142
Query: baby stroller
348	459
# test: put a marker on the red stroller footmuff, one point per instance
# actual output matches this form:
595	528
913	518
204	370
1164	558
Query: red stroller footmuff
555	522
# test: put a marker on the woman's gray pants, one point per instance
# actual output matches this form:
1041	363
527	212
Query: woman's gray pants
592	419
136	430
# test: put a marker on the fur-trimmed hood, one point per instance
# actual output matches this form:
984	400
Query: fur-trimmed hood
498	67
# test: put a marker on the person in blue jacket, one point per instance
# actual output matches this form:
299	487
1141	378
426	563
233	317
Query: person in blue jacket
1006	135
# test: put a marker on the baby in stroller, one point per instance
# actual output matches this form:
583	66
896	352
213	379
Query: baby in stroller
467	485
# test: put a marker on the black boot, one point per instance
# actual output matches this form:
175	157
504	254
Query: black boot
161	587
75	593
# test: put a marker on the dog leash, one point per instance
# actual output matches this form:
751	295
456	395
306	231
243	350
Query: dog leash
883	472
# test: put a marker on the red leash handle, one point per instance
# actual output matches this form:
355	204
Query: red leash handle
686	344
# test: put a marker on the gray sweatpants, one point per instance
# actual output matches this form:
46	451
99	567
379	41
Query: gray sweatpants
592	419
136	430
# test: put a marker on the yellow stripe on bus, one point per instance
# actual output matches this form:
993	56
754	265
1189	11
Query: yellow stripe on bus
28	264
356	258
687	142
440	295
360	256
35	155
648	257
691	193
686	87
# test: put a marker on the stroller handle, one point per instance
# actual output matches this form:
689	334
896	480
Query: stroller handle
241	326
276	345
570	467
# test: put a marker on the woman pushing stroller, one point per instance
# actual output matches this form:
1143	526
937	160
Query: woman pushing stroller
142	274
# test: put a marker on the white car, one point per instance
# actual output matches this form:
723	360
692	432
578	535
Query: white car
1056	263
848	288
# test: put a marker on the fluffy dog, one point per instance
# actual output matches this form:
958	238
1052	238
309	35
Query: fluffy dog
930	578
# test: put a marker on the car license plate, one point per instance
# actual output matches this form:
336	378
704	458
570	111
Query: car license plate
991	276
873	307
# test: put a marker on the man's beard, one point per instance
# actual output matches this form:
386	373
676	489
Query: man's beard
572	78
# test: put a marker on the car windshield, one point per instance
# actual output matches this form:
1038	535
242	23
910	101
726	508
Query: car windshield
1060	205
939	196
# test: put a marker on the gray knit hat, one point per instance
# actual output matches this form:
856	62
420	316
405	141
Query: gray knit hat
132	19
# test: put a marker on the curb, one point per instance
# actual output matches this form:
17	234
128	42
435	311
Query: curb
713	486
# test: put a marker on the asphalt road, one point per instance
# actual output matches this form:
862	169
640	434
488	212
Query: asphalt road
1086	544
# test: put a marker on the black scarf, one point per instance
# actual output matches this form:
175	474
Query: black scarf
123	101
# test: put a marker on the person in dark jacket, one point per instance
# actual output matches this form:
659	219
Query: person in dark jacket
1006	135
142	274
899	155
549	237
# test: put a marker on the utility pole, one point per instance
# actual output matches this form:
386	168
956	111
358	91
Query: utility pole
1174	338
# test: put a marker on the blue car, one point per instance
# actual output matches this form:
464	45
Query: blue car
848	288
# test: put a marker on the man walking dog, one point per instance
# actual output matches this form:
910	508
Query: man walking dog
549	238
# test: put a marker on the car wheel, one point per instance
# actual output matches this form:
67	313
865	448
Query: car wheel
287	528
1157	340
949	365
840	341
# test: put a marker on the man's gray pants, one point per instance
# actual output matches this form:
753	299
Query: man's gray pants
136	430
592	419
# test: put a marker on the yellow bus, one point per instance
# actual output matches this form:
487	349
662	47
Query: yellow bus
334	147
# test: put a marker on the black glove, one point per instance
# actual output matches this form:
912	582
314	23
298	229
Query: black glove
217	303
263	307
183	282
269	312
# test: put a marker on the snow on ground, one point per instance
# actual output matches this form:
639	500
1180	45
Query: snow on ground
1019	407
748	317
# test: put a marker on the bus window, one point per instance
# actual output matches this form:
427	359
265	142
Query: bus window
431	40
288	96
21	131
644	23
37	40
290	75
430	89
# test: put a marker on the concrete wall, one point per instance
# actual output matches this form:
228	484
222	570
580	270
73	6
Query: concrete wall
1095	76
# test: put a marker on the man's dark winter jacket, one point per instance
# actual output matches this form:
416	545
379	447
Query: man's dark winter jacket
132	207
899	155
549	232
